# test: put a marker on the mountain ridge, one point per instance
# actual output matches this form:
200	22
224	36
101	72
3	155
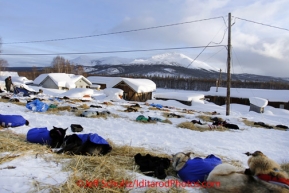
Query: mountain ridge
171	58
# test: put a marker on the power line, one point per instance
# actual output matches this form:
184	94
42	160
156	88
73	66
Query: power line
208	46
119	51
262	24
112	33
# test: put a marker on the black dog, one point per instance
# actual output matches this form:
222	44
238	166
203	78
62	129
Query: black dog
171	115
135	106
95	106
225	124
57	136
197	122
263	125
282	126
152	166
73	145
130	109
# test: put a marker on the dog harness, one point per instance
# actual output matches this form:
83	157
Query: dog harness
273	179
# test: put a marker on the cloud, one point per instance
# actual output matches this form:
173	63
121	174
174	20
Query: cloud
257	46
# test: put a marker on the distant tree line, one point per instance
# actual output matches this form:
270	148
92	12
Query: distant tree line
58	65
204	84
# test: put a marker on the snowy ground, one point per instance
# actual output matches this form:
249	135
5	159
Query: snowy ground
161	137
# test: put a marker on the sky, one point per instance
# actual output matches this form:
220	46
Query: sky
259	36
160	137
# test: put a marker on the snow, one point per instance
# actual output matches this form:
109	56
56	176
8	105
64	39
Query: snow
181	96
138	85
24	175
8	73
159	137
174	59
258	101
16	80
113	93
78	93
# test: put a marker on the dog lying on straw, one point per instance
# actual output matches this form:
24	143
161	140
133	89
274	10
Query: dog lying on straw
263	176
196	169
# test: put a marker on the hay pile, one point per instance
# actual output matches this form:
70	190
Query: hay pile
16	145
207	118
103	173
192	126
115	167
251	124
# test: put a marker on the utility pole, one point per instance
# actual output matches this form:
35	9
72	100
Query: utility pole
229	67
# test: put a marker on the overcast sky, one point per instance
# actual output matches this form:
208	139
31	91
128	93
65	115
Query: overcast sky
256	48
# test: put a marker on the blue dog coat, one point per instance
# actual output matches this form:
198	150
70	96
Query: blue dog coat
94	138
37	105
12	120
39	135
195	170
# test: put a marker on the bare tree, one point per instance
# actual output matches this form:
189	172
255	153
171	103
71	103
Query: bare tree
58	64
79	70
34	72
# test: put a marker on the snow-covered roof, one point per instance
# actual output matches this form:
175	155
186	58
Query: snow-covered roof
8	73
97	86
61	79
17	79
258	101
270	95
100	79
178	96
112	91
39	79
138	85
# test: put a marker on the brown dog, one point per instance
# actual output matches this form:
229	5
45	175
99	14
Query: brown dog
234	180
261	164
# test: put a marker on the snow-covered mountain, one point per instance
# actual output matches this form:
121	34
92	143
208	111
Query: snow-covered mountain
83	60
173	59
113	60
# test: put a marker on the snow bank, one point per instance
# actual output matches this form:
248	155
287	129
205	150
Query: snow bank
78	93
180	96
113	93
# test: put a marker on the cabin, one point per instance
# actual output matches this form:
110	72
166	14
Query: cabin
99	82
275	98
134	89
61	81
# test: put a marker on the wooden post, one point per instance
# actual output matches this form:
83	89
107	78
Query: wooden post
229	67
